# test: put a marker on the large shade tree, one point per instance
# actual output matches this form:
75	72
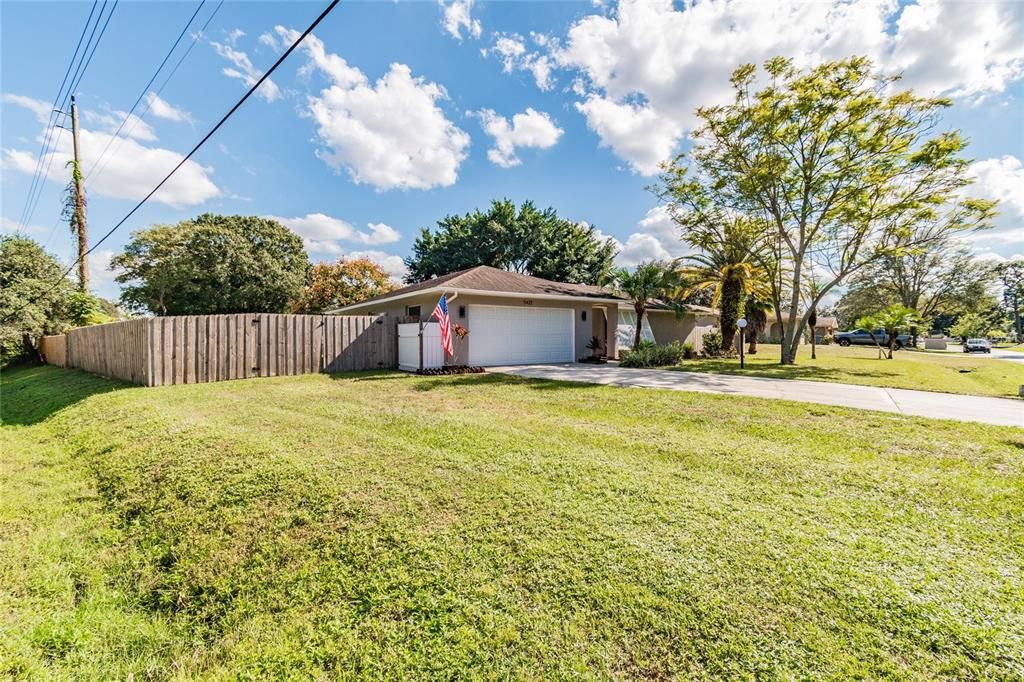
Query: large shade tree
523	239
838	162
212	264
1011	276
944	278
332	285
33	296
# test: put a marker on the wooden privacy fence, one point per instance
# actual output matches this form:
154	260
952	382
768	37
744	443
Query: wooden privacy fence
191	349
54	349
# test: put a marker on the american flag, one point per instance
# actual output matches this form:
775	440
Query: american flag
441	313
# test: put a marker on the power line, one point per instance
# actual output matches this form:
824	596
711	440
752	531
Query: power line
145	89
83	66
201	142
97	169
53	114
149	104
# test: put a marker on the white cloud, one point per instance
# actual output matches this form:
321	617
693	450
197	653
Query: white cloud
511	49
458	16
9	226
101	278
38	107
657	238
133	127
322	233
163	109
234	35
390	134
245	71
130	171
646	67
635	133
393	265
1001	179
529	129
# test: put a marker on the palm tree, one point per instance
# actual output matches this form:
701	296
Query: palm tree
728	266
756	313
647	283
890	320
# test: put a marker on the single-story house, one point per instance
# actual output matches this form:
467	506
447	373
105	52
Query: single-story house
519	319
825	326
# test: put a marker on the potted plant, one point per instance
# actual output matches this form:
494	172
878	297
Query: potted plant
595	347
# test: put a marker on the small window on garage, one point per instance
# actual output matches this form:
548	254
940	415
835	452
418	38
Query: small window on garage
412	310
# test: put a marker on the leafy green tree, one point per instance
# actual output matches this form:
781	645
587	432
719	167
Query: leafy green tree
727	266
892	320
839	162
332	285
968	326
944	277
524	240
30	305
646	283
83	310
1011	276
212	264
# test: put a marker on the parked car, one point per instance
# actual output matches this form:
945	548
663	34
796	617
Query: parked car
977	346
862	337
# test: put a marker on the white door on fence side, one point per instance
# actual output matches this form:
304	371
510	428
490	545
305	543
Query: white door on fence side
505	335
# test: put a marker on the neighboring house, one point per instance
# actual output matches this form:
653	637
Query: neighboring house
825	327
519	319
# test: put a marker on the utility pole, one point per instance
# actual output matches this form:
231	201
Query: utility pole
78	220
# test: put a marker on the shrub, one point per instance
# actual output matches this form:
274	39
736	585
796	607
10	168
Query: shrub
712	345
689	351
650	354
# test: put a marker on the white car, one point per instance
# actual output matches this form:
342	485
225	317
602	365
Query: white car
977	346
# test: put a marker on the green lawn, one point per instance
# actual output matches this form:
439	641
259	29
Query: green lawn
387	526
925	371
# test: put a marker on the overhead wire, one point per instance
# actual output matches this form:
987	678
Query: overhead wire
205	138
51	123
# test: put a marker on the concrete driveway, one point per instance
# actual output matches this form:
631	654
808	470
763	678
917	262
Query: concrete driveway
998	411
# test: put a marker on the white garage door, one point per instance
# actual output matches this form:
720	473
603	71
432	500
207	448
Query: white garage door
500	335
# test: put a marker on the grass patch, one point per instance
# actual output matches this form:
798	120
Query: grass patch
402	527
924	371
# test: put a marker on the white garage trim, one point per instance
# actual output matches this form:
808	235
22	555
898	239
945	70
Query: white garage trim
520	335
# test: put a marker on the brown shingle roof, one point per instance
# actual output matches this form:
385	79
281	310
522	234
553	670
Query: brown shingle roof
487	279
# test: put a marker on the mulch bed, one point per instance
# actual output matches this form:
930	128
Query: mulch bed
445	371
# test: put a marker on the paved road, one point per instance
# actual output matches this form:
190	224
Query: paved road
996	354
999	411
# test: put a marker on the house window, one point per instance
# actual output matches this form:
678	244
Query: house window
584	315
412	310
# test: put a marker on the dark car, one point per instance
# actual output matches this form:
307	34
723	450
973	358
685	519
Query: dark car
862	337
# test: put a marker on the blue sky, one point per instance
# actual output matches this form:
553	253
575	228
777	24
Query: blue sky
398	113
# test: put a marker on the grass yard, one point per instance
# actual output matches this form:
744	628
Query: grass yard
943	372
389	526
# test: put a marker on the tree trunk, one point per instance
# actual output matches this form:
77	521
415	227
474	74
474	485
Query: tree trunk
913	336
729	308
752	345
639	325
812	322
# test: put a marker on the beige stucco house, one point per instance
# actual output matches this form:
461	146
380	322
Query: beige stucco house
518	319
825	326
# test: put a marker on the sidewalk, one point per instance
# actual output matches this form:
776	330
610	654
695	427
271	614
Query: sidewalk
998	411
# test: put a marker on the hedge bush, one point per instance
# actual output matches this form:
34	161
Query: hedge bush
650	354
